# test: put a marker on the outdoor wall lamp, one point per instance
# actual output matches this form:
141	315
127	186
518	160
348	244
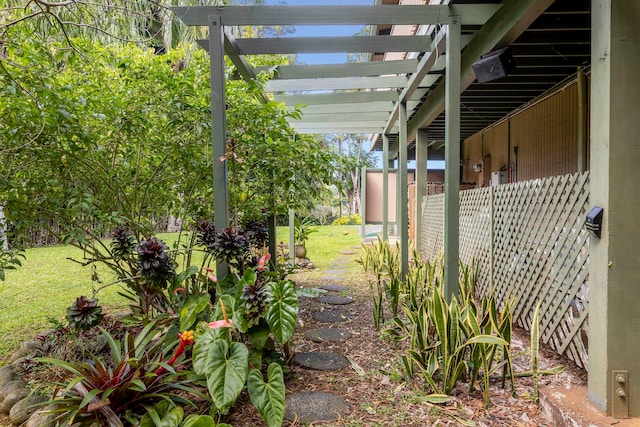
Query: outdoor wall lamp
593	222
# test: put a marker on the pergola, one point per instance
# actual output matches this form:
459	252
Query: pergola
403	102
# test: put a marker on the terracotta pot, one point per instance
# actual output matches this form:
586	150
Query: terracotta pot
300	251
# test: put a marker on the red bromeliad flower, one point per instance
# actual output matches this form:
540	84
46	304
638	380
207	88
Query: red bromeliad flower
186	338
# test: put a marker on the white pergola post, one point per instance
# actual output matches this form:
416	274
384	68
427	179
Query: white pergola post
421	184
402	217
385	187
218	129
452	159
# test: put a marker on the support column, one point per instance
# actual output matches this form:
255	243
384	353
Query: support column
452	159
292	238
421	183
218	130
402	217
363	203
614	318
385	188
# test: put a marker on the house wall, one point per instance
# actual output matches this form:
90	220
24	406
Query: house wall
545	134
373	210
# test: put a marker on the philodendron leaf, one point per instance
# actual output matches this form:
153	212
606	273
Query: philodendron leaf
194	420
225	367
268	397
204	346
310	292
283	311
164	414
192	307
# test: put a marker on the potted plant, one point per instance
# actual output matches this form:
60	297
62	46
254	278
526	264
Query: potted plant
302	228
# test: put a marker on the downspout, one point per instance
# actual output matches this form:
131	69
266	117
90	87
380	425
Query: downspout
582	120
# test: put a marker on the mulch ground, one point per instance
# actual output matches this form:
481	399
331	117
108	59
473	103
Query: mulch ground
375	390
373	384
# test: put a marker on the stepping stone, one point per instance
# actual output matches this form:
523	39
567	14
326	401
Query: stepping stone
356	247
335	299
332	316
321	361
327	335
333	287
348	252
331	278
309	406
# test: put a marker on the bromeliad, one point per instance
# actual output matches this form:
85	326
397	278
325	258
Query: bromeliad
186	338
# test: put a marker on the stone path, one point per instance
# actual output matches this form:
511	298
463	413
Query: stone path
311	406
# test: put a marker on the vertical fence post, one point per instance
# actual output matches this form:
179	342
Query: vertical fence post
363	203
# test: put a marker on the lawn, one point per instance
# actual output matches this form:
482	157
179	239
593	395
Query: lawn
35	297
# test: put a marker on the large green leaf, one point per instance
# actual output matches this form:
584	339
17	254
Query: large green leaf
268	397
204	345
194	420
225	367
486	339
192	307
283	311
164	414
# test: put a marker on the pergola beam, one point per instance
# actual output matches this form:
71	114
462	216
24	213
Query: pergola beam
473	14
364	107
352	69
425	64
338	98
382	82
380	116
295	45
332	130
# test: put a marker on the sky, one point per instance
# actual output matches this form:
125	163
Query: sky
319	30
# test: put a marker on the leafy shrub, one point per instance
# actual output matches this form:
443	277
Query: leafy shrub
348	220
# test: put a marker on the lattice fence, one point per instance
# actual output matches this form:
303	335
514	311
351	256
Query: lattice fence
528	241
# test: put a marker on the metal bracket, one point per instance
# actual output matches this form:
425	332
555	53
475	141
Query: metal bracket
620	394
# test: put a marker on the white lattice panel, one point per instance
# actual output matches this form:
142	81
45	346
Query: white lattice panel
528	241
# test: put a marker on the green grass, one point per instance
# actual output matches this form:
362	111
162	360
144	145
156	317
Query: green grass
48	283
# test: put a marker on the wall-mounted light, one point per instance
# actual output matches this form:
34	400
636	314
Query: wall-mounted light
593	223
477	167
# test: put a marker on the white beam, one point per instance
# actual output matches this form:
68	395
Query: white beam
341	117
289	45
363	107
352	69
474	14
338	98
335	84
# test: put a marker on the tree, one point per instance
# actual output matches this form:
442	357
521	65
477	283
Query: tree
353	157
